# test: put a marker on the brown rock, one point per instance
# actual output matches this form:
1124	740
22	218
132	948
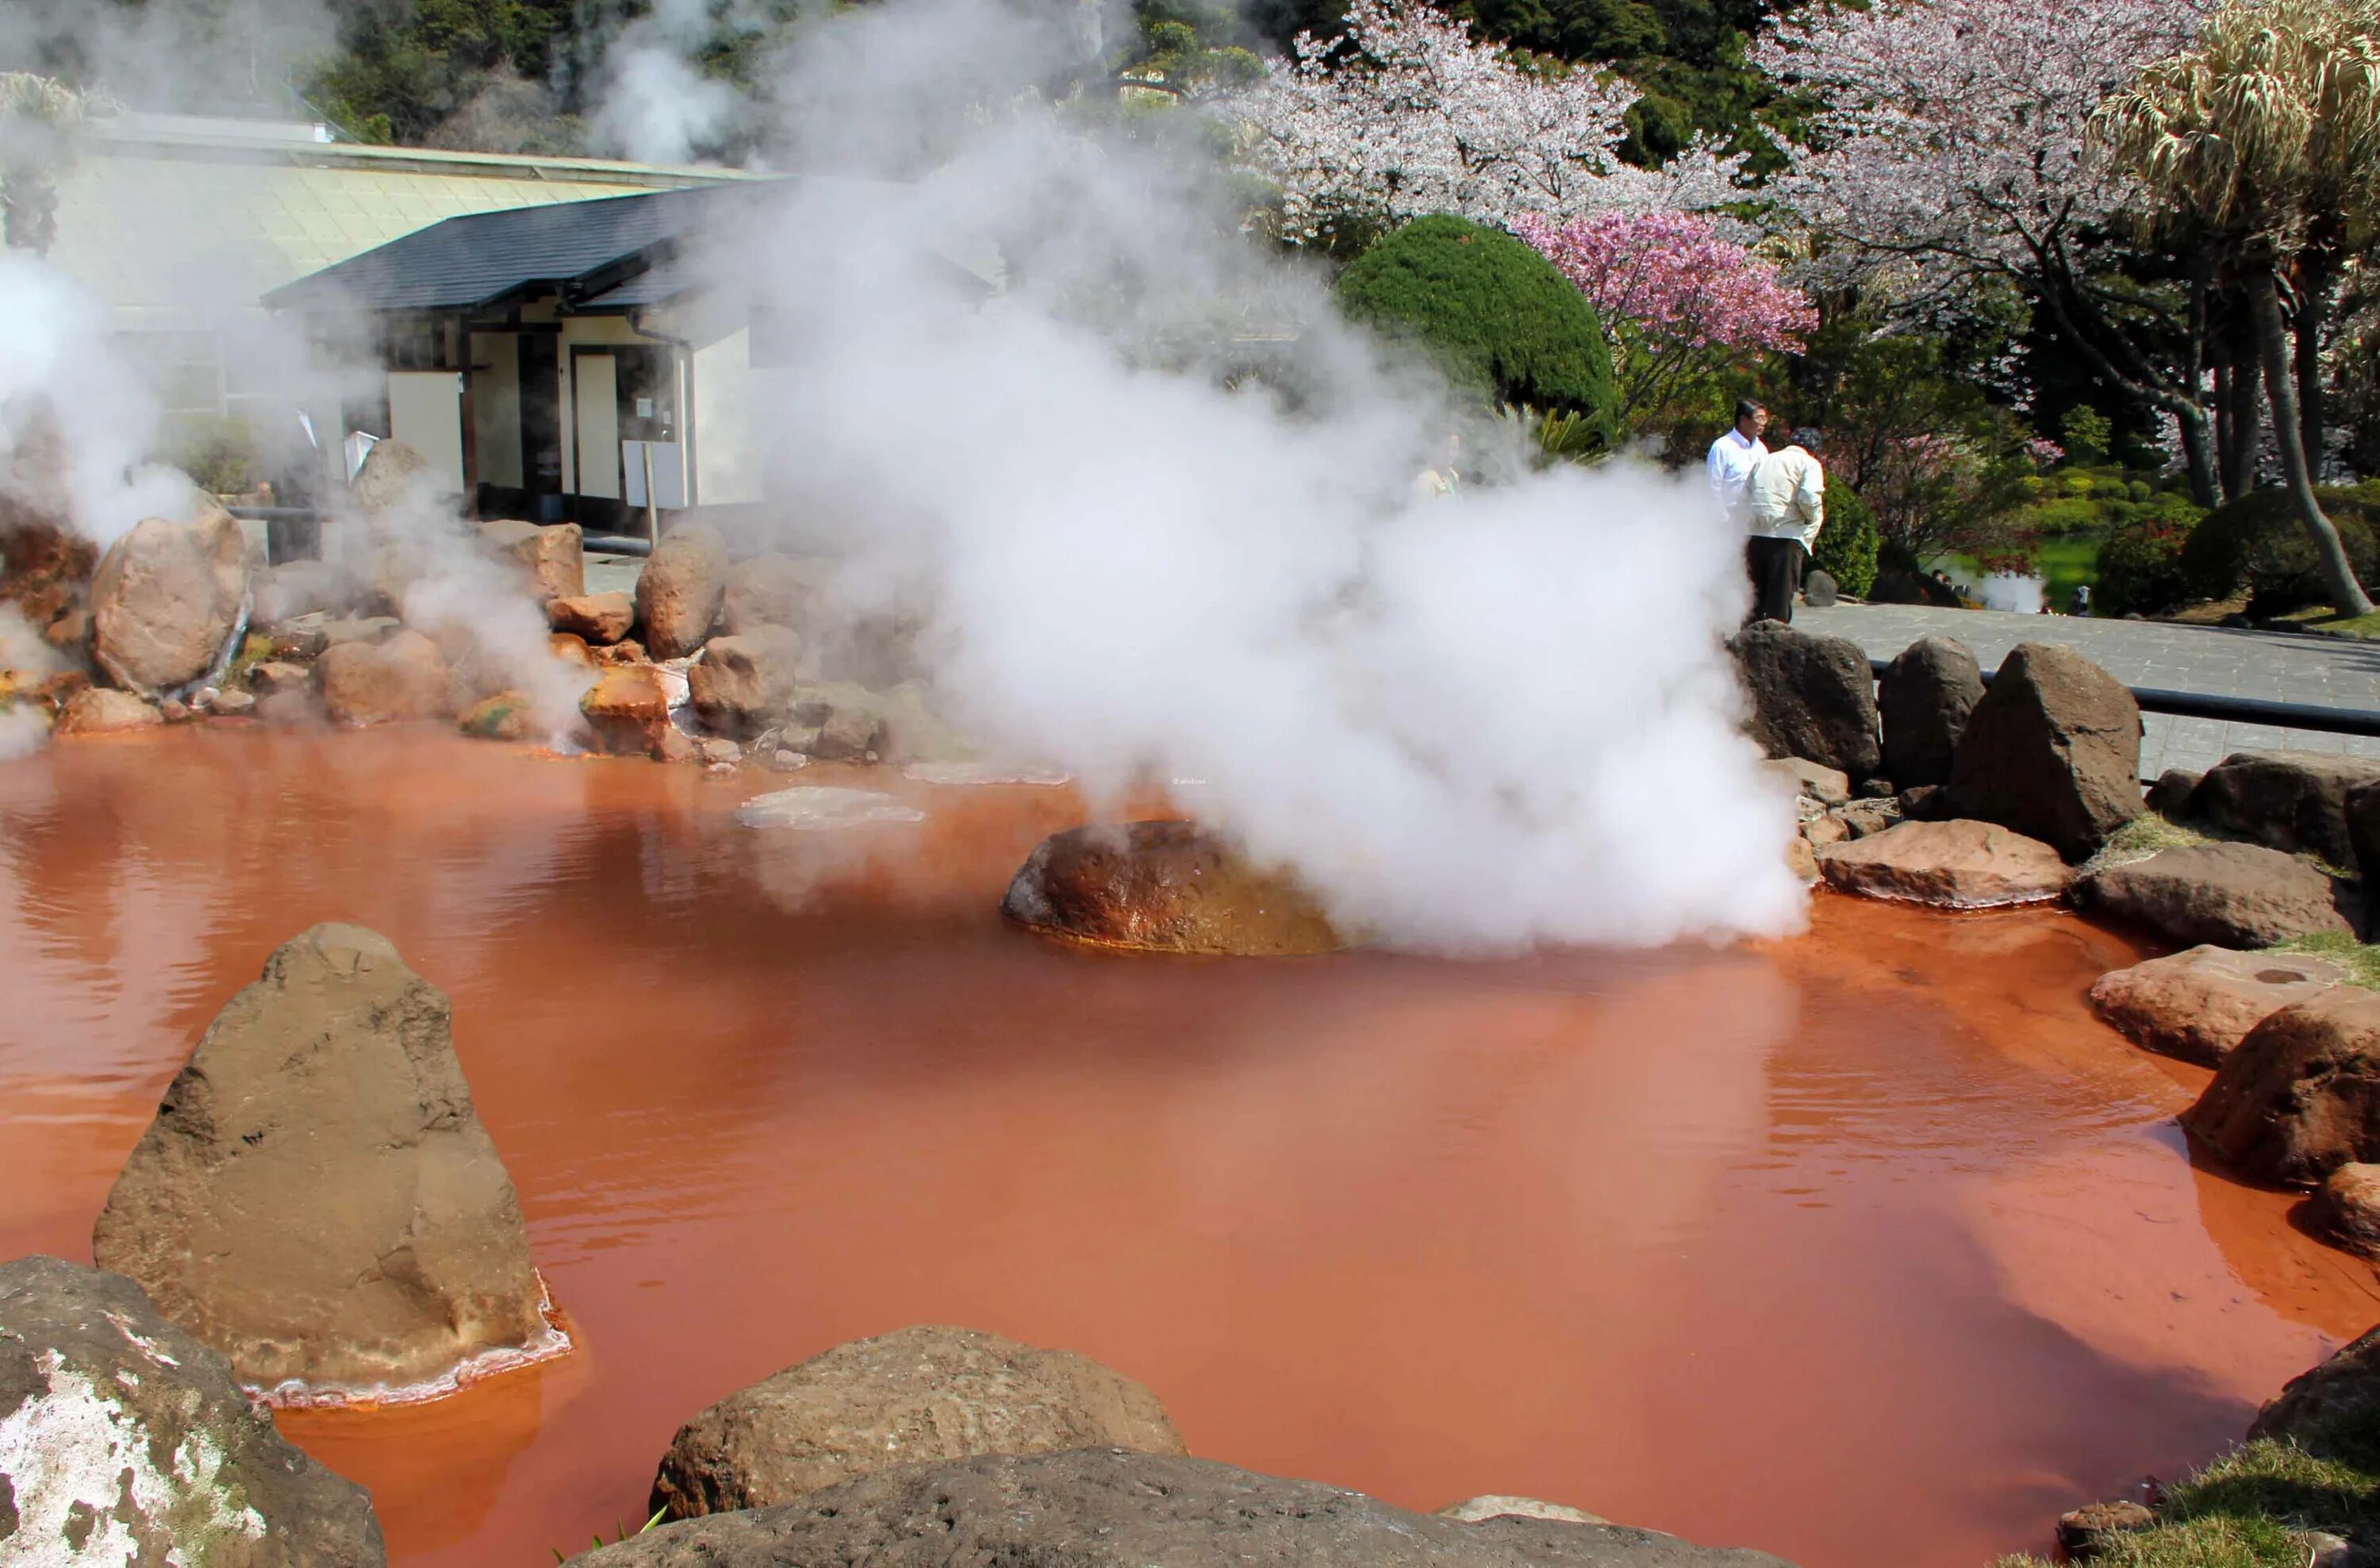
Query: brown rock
849	735
1114	1508
912	1396
618	654
375	682
317	1198
1164	886
1955	865
504	716
69	631
628	710
394	479
1812	781
1495	1505
552	556
1823	831
1802	859
2360	810
597	617
745	683
2346	1207
273	676
2198	1005
571	648
44	570
2053	750
2092	1530
230	704
2332	1409
142	1448
1811	697
2230	894
680	590
2170	796
1869	818
2300	1095
2293	801
1924	698
102	710
775	590
164	601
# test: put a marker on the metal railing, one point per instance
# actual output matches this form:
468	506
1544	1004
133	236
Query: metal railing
2234	710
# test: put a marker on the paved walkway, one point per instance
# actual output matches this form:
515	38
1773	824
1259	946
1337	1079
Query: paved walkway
2221	661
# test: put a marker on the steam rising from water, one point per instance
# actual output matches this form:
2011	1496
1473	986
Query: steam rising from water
1480	722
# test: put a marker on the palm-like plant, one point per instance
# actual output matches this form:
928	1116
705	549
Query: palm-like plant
2266	139
38	118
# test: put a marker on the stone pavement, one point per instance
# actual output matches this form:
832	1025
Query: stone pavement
2221	661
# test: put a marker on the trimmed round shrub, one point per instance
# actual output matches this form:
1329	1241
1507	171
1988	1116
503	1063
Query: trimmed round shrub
1846	549
2257	543
2140	567
1495	314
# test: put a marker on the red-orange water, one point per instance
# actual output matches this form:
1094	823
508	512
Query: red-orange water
1871	1247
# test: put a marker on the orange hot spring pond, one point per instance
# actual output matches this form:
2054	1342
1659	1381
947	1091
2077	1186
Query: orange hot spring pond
1869	1247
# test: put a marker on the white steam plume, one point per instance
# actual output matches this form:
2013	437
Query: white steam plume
1490	721
654	103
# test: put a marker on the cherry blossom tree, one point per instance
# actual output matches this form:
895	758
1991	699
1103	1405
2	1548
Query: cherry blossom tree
1407	114
1948	151
1670	289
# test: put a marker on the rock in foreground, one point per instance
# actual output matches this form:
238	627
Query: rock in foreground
1811	697
1924	699
2300	1095
2198	1005
2230	894
913	1396
165	599
102	710
2053	750
1165	886
389	682
2339	1398
2291	800
680	590
123	1439
1958	865
317	1198
1106	1508
2346	1208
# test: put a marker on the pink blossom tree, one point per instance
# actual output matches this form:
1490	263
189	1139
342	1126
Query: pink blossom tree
1407	114
1672	292
1948	154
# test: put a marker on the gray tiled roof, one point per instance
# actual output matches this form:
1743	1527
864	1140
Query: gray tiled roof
481	257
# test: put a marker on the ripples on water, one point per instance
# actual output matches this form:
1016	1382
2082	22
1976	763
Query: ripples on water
1869	1246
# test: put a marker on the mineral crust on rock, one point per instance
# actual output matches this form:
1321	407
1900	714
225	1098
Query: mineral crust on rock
916	1395
125	1440
317	1198
1165	886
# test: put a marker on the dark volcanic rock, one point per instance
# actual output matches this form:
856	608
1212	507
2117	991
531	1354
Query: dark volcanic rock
317	1198
2231	894
123	1439
1923	697
2339	1399
1811	697
2053	750
2301	1096
913	1396
2293	800
2361	810
2198	1005
1108	1508
2170	796
1163	885
680	590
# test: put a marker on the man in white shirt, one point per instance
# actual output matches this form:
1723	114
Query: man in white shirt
1732	458
1787	500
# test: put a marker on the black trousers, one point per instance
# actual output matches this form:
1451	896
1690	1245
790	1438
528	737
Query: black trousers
1776	567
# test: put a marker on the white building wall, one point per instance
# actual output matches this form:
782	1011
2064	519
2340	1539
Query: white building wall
727	469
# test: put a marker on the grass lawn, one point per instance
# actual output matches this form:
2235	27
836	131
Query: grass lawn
2065	563
2242	1511
2319	618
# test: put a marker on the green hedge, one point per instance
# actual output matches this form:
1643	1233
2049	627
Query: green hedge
1494	313
2257	543
1847	545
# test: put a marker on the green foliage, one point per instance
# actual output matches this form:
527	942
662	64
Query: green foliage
2359	959
218	453
619	1533
1847	545
1495	315
2245	1510
2141	565
2257	543
1558	437
2087	434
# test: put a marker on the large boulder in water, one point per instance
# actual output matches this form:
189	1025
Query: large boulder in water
2293	801
1924	698
917	1395
101	709
165	599
628	710
775	590
1110	1507
745	683
378	683
1957	865
317	1198
593	617
2200	1005
1163	885
2300	1095
1811	697
125	1440
2231	894
552	558
678	593
2053	750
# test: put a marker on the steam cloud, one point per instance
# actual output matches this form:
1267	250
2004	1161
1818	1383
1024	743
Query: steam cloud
1482	722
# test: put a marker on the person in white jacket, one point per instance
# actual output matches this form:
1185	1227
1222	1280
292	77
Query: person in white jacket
1732	458
1787	503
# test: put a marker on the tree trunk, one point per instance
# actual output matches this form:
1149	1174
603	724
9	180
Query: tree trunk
2244	419
2347	595
2316	277
2198	457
